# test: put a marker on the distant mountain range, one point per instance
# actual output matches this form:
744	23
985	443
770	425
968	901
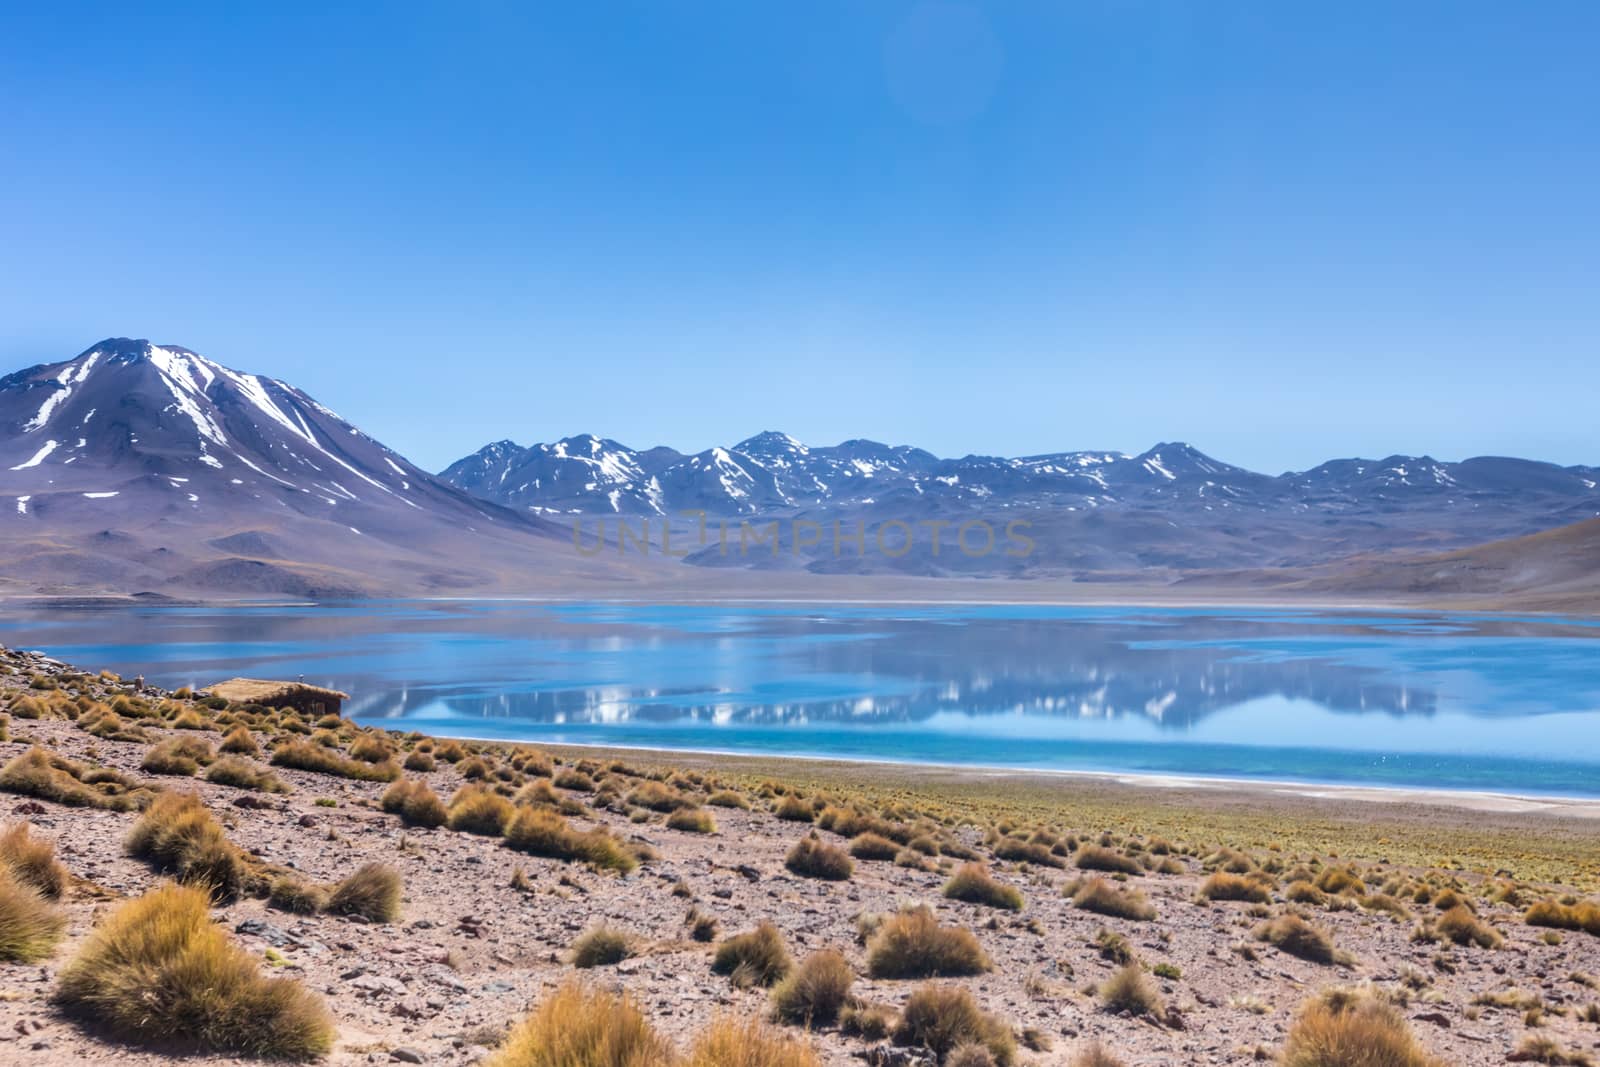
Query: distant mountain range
1101	516
136	467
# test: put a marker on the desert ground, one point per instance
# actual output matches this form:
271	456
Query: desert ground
1082	916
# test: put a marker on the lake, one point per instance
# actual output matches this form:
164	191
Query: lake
1402	699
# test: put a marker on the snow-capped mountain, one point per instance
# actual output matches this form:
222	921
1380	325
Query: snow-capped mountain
773	472
178	468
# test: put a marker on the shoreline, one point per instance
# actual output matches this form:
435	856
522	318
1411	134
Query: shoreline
1582	807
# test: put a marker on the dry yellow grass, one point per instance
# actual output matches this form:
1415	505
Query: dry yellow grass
540	832
942	1018
159	970
1341	1027
372	892
912	944
415	803
758	957
747	1043
33	860
814	992
30	925
1103	898
177	834
579	1027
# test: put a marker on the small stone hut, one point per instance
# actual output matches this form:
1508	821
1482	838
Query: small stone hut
308	699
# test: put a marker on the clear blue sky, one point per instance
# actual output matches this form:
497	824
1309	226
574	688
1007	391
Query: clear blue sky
1280	231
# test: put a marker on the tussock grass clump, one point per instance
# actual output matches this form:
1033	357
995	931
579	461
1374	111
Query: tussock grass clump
1018	850
755	958
1103	898
1224	885
748	1043
418	760
32	860
43	774
242	774
1464	928
575	780
692	820
1340	880
297	897
372	892
811	857
305	756
1131	990
657	796
973	883
601	946
181	756
1584	915
372	748
1292	934
727	798
912	944
794	809
540	832
239	742
1094	1054
415	803
30	925
814	992
943	1018
1340	1027
177	834
159	970
1097	858
1541	1048
871	846
477	810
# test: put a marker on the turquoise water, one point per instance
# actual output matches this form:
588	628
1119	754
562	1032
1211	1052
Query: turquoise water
1429	700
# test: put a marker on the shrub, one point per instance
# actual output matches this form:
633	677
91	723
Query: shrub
1303	892
417	760
1095	858
757	957
290	894
942	1018
1340	880
477	810
912	944
1226	886
181	756
812	858
177	834
1343	1028
870	1022
692	820
43	774
32	860
158	970
601	946
1292	934
727	798
544	833
1102	898
242	774
30	925
305	756
1462	927
1584	915
372	892
1131	990
239	742
870	846
814	992
415	803
1538	1048
731	1043
973	884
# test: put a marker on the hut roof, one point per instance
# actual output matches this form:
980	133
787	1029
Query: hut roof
256	691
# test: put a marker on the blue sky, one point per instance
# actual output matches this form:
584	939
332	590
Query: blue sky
1282	232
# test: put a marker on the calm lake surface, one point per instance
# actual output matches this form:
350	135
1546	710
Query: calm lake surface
1453	701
